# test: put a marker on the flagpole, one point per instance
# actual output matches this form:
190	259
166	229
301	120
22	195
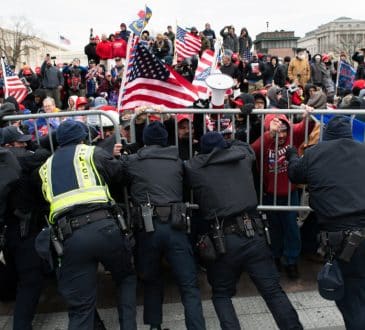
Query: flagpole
122	85
174	60
4	78
338	76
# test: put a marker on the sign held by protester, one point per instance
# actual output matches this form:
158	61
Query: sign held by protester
346	76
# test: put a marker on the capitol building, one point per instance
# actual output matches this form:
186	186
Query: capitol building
342	34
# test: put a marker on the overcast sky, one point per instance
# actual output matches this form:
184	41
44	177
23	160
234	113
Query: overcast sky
73	18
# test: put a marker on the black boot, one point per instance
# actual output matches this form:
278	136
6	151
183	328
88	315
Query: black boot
292	271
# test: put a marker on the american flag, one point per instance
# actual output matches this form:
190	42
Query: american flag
150	82
65	41
187	44
203	70
13	85
246	55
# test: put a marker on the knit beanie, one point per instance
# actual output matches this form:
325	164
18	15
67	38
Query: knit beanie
155	134
71	132
211	140
338	127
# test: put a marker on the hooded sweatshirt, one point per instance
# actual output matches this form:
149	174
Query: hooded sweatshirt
269	154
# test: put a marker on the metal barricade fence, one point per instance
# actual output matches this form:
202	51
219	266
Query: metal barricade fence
261	113
96	115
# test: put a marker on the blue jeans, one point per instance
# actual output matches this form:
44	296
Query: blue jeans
352	306
251	255
174	245
284	230
100	241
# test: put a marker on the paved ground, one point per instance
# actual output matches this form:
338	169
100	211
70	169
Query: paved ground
314	312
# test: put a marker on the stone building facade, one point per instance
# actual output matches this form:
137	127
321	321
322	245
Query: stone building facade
342	34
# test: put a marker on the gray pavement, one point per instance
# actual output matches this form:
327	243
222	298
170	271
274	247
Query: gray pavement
314	313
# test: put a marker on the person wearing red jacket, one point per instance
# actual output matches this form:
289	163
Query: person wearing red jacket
284	231
104	50
119	48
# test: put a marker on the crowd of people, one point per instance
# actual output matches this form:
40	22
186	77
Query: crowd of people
92	219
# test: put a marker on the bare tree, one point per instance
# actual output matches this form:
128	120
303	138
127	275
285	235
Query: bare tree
17	40
348	44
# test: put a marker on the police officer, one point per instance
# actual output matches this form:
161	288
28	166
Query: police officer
23	221
336	185
223	187
75	183
156	186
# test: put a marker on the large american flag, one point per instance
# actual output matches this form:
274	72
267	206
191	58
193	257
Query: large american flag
203	70
187	44
149	82
13	85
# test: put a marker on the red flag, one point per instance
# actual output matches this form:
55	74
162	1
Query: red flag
13	85
187	44
150	82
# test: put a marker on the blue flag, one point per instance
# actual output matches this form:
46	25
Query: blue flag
346	76
139	24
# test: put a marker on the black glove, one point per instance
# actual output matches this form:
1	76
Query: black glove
247	108
291	153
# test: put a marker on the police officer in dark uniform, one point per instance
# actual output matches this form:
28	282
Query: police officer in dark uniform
23	221
333	170
223	186
156	186
75	183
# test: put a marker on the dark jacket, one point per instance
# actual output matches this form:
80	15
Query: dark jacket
280	76
230	41
52	77
157	171
90	52
10	173
231	70
222	181
253	68
360	71
336	182
22	199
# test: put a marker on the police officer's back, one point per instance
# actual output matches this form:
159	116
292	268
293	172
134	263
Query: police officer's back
333	170
156	179
223	187
22	219
74	182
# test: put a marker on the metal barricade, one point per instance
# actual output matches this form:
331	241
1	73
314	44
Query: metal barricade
261	113
66	115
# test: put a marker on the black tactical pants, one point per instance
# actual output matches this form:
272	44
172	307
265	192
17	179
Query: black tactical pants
100	241
252	255
352	305
174	245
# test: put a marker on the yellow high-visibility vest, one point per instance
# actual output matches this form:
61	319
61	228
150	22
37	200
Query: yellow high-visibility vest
90	187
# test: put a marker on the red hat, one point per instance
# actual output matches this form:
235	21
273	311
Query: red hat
360	84
183	116
325	58
81	100
238	102
260	55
